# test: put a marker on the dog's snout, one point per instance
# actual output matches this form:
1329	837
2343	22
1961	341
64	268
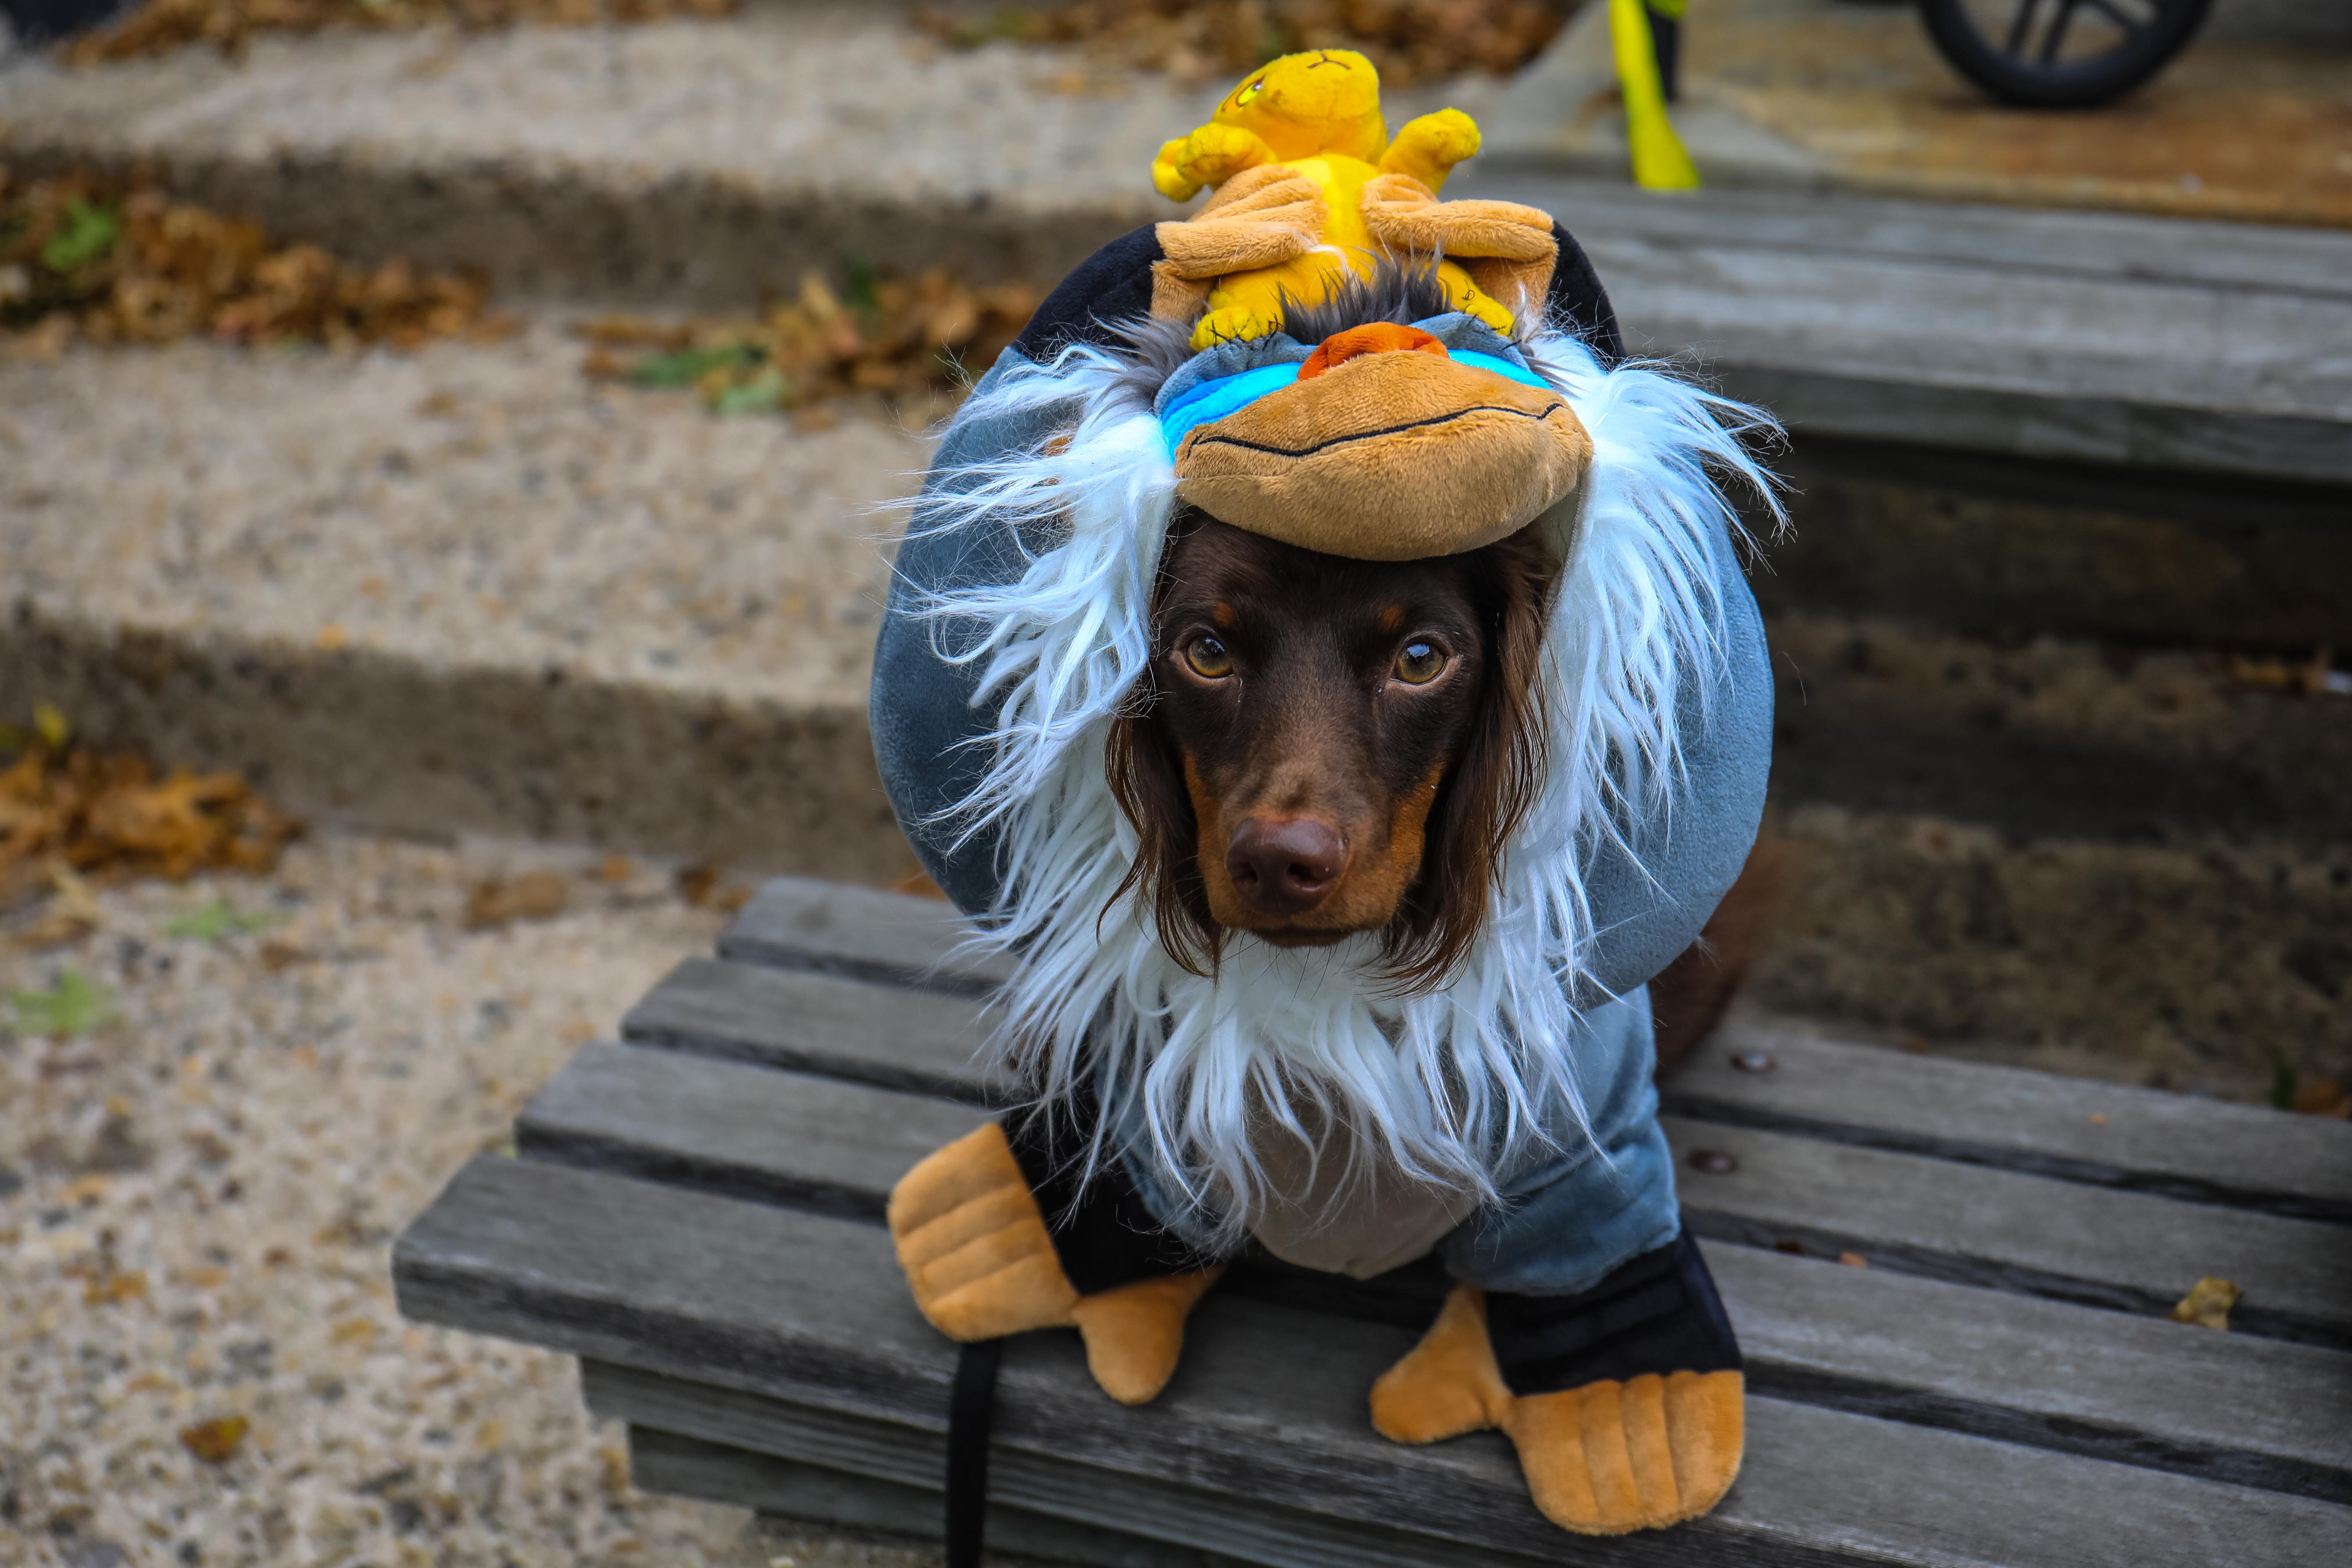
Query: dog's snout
1285	864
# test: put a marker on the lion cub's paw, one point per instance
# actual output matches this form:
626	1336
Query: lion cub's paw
1209	156
1229	323
1428	148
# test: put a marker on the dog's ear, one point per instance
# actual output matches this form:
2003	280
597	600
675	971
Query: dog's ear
1147	779
1492	783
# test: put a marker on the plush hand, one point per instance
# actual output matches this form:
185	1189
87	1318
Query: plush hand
1428	148
1209	156
1602	1454
982	1263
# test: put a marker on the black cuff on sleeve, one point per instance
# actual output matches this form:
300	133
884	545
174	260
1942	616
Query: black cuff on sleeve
1659	1312
1102	1233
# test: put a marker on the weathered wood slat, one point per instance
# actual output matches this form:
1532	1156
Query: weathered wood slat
2014	1232
2105	1134
2108	247
678	1466
796	923
2169	1144
1968	1223
2227	1407
809	1310
928	1042
2114	340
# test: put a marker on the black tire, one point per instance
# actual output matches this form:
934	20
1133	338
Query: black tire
2020	65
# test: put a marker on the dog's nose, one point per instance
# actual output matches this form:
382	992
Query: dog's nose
1285	865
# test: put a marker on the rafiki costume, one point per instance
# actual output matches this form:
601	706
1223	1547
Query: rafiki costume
1291	1099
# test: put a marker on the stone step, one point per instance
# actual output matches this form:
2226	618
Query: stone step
467	590
707	163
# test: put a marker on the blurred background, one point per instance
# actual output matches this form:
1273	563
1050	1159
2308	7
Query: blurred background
448	454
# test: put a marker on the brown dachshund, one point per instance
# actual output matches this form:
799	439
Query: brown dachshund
1326	746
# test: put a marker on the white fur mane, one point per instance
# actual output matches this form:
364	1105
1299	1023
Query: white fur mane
1455	1086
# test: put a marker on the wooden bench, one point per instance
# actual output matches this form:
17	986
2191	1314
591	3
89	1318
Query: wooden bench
696	1213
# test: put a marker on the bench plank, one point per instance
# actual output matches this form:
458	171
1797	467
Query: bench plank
2169	1144
1968	1223
928	1042
2228	1407
816	1489
2008	1231
810	1311
2105	1134
798	922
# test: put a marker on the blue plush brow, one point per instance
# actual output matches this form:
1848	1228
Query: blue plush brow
1212	400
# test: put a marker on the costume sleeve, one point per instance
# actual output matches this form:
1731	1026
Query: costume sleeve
1649	906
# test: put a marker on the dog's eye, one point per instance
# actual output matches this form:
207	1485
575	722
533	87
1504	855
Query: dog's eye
1419	663
1208	659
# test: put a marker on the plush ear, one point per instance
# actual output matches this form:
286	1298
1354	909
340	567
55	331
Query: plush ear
1492	783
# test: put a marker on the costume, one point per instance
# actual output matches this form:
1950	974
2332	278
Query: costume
1289	1100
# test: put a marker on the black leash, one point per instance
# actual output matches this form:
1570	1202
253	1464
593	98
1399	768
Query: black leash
969	1406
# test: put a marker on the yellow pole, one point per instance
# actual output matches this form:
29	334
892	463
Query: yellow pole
1660	163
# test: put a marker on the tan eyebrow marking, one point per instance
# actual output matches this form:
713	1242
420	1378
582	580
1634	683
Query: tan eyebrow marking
1392	618
1223	614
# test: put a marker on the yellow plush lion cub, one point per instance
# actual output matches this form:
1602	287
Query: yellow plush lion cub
1314	118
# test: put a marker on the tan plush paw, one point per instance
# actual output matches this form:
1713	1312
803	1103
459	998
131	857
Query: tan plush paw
974	1245
1602	1458
1135	1333
982	1265
1427	148
1612	1457
1448	1384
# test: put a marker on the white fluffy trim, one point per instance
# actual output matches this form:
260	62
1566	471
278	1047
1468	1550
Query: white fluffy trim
1454	1087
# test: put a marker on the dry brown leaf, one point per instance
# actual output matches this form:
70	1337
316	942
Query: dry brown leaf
67	816
117	261
2323	1097
1411	42
886	336
2208	1303
160	27
111	1288
215	1442
502	900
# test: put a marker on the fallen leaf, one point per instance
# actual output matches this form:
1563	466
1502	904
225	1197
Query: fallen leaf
111	1289
277	957
1854	1260
1413	42
72	1006
2322	1096
216	1441
533	896
2208	1303
160	27
218	920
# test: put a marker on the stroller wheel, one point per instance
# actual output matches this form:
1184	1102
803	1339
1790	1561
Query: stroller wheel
2061	54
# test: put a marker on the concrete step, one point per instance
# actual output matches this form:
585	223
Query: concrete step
463	591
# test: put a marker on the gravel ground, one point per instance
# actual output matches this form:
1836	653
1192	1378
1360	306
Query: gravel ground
197	1202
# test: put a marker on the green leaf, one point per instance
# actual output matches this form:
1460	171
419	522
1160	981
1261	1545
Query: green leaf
87	233
687	366
219	921
763	394
73	1006
52	726
2282	1084
864	284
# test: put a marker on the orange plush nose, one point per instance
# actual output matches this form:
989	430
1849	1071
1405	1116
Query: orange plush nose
1380	338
